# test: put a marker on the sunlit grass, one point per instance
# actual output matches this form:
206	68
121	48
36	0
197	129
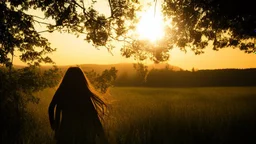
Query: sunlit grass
174	115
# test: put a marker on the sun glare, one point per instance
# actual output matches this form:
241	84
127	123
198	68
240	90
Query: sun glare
151	25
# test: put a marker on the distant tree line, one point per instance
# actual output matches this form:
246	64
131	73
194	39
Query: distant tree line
201	78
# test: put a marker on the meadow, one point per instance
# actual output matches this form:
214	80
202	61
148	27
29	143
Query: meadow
136	115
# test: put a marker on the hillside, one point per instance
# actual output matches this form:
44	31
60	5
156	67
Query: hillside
121	67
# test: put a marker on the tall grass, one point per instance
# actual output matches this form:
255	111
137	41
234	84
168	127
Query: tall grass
170	115
41	133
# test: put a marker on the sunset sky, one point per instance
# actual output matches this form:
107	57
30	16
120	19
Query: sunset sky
72	51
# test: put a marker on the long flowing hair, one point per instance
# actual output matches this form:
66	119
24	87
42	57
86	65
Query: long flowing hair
76	81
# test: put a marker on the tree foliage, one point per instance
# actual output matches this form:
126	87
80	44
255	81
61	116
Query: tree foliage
197	24
103	81
193	24
201	78
225	23
141	72
17	31
18	88
183	78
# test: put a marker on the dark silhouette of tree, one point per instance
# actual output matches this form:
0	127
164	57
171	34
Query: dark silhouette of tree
224	23
17	90
197	78
201	78
193	69
17	31
195	24
142	72
104	81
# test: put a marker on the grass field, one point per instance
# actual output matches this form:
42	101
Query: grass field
168	115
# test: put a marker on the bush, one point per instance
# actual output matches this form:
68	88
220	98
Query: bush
104	81
17	88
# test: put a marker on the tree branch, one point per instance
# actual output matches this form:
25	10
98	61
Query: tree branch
36	16
82	7
84	10
50	31
120	40
111	8
109	49
155	8
40	22
83	4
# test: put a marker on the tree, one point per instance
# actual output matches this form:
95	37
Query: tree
193	69
18	88
17	31
104	81
196	24
142	72
212	19
193	24
226	23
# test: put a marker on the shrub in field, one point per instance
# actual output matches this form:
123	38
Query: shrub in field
17	89
104	81
142	72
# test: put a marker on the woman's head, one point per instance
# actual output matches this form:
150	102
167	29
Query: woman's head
75	82
74	79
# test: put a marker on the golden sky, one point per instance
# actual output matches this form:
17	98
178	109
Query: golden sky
72	51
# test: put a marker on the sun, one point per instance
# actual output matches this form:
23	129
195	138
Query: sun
151	25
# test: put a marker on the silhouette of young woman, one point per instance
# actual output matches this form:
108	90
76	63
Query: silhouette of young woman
77	112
